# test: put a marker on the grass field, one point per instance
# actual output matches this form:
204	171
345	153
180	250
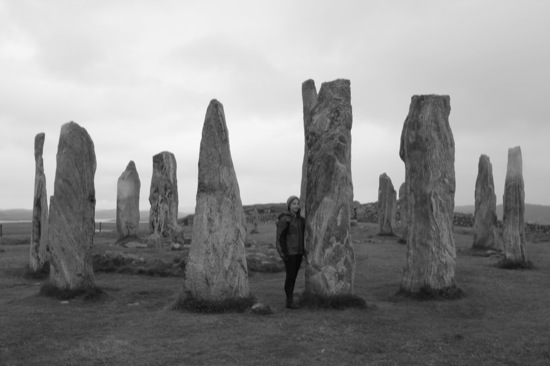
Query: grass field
503	320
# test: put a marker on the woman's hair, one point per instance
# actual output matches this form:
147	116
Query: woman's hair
289	201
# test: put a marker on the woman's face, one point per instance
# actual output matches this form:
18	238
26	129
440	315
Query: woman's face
295	206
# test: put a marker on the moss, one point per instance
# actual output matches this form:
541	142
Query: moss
40	274
186	302
86	294
337	302
427	293
508	264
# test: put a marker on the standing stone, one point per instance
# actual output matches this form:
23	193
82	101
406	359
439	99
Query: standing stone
428	150
329	193
72	211
127	202
514	209
217	268
387	203
402	209
255	221
163	197
485	214
39	233
309	99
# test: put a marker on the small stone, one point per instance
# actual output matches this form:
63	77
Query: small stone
261	309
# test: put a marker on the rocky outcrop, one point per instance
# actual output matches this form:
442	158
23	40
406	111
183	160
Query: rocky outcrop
309	99
428	150
329	193
163	197
485	214
127	202
387	203
39	233
514	209
72	210
217	268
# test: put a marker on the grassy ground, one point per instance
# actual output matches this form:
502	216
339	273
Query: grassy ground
503	320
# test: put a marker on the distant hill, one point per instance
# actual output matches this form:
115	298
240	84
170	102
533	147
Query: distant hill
533	213
26	215
15	215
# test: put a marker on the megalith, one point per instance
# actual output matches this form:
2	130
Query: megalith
402	210
39	232
72	210
427	148
309	99
514	209
163	197
127	202
485	214
329	195
217	269
387	205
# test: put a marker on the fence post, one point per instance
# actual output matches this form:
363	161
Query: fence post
100	226
0	230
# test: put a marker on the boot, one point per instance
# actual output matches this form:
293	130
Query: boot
290	304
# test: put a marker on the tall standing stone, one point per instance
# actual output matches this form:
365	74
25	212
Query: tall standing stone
39	233
127	202
72	210
217	268
329	193
309	99
387	204
514	209
402	209
485	214
163	197
428	150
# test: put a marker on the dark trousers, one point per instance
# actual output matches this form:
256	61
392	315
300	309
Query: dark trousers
292	265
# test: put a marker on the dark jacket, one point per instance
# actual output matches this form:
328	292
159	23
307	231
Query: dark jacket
290	234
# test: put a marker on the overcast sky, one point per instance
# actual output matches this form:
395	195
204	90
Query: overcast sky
138	76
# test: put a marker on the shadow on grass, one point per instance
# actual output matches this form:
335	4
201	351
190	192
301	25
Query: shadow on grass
427	293
93	294
508	264
336	302
186	302
41	274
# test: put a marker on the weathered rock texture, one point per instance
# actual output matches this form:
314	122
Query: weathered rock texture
39	233
127	202
387	204
72	210
329	193
428	150
402	210
163	197
309	99
485	214
217	268
514	209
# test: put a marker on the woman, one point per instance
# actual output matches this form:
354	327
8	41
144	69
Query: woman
290	245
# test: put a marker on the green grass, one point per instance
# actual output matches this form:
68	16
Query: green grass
186	302
503	320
